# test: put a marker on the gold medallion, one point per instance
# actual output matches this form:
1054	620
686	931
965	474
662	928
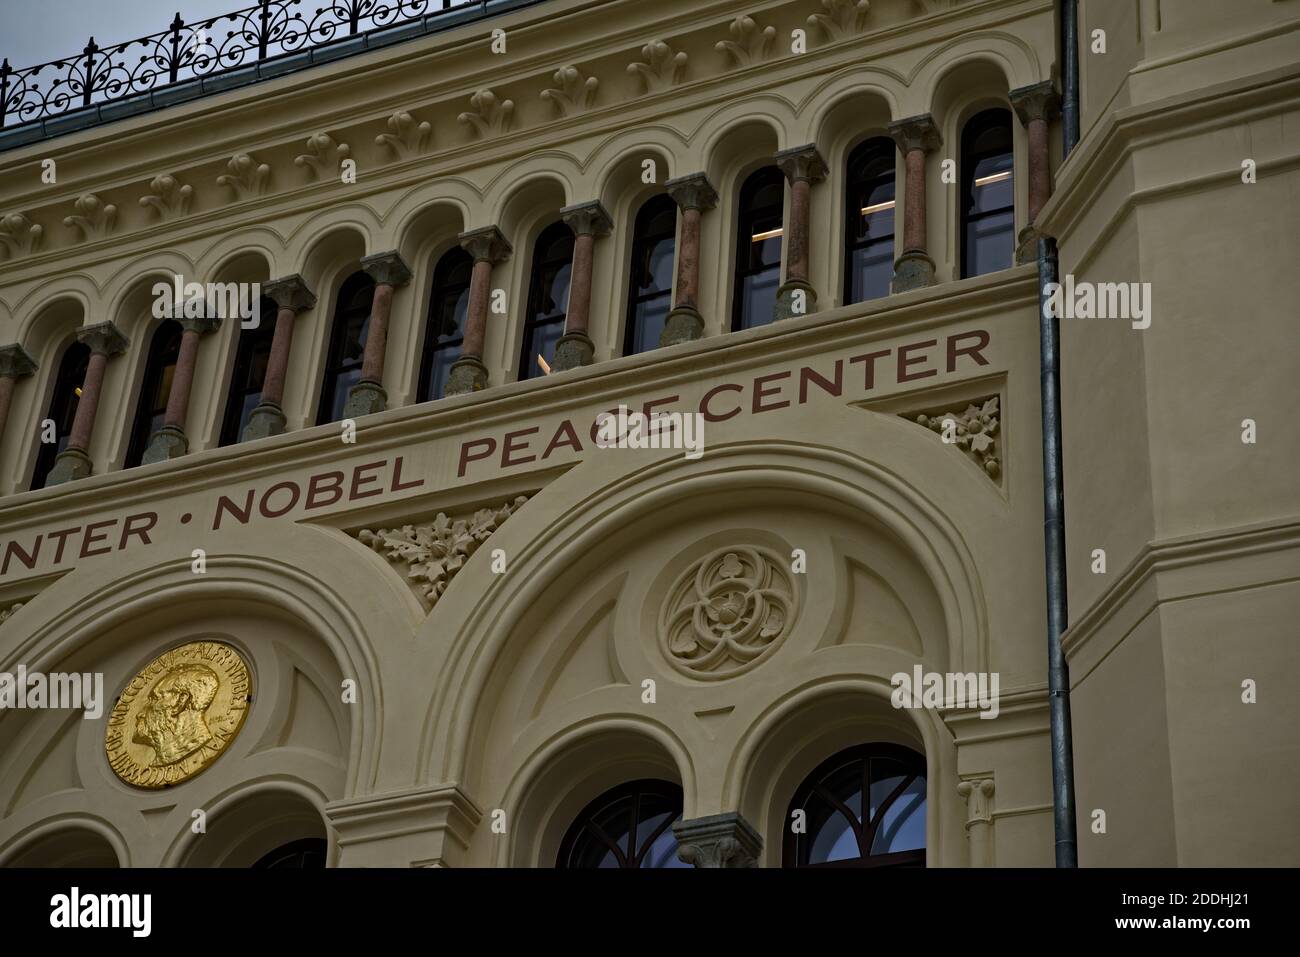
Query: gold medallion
178	715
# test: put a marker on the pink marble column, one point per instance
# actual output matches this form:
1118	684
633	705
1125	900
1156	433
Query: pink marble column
488	247
693	194
368	395
170	441
1036	105
915	136
14	364
803	166
104	341
587	220
291	296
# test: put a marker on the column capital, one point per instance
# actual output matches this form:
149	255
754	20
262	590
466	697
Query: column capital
802	163
424	827
587	218
916	133
15	362
291	292
693	191
1038	101
104	338
978	793
387	268
719	840
486	244
200	324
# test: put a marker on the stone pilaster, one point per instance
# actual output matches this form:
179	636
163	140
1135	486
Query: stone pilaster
389	271
105	340
15	363
421	827
291	296
693	194
719	840
587	220
915	137
978	794
803	166
488	247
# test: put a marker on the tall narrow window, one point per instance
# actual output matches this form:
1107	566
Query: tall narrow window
758	248
347	345
164	350
251	358
63	408
869	221
448	304
650	293
864	807
629	826
548	300
987	194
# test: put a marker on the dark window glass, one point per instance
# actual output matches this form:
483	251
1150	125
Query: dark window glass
548	299
864	807
151	409
251	358
869	221
347	345
650	294
63	407
988	196
629	826
758	248
307	854
448	304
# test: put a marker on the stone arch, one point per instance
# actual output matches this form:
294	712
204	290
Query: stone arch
73	841
251	820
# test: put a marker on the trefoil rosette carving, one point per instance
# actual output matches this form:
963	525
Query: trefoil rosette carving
434	552
727	612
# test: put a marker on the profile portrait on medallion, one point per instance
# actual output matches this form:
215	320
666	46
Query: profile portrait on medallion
178	715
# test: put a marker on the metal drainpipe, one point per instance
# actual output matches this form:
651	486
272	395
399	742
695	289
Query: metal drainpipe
1058	671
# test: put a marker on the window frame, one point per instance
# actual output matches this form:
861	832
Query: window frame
628	857
546	238
69	377
745	217
866	153
653	207
439	287
335	365
164	353
247	343
974	127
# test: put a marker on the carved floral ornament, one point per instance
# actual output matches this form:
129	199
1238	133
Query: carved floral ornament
433	552
975	432
727	612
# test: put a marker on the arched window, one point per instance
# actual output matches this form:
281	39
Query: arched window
150	410
650	292
758	248
864	807
251	358
548	299
987	194
307	854
869	221
448	303
347	345
63	408
629	826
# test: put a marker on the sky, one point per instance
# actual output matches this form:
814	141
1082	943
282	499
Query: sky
36	31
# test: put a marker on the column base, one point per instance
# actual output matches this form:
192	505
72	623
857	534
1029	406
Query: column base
72	464
684	324
1027	245
167	443
263	422
912	270
575	349
794	298
720	840
468	374
364	398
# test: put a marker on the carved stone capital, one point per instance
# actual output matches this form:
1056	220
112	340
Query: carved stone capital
15	362
104	338
916	133
200	324
587	219
720	840
291	292
387	268
486	244
802	163
693	191
1038	101
978	793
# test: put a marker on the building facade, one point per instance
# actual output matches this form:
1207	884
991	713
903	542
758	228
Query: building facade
366	588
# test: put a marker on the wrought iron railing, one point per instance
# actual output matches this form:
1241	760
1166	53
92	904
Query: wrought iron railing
188	51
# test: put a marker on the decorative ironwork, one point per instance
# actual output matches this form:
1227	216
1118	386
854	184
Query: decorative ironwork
194	51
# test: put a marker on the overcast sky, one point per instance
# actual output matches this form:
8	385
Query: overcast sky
36	31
